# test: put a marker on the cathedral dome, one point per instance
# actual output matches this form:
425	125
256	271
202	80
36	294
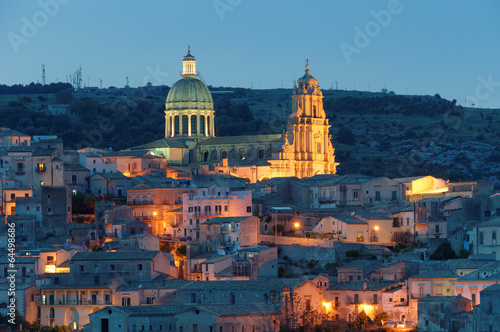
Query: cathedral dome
189	93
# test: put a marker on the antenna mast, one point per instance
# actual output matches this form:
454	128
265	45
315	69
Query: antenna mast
43	74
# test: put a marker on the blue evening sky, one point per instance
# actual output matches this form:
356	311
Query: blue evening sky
450	47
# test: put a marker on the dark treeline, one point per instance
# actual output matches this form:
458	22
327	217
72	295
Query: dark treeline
33	88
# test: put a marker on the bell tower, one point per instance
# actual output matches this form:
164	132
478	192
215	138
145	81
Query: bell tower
308	147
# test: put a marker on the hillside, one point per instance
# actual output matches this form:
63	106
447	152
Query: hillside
374	133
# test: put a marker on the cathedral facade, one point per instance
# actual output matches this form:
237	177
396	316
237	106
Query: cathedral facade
304	149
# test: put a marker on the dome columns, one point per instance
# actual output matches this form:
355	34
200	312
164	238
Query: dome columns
189	123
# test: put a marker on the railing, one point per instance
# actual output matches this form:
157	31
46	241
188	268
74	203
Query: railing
57	302
204	214
327	200
207	197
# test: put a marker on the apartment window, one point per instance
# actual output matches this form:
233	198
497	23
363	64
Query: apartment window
355	195
481	238
420	291
40	167
249	209
82	268
308	305
266	298
193	298
49	210
125	301
149	300
27	208
139	267
375	298
113	267
473	298
232	298
356	298
437	228
190	209
407	221
225	208
73	179
377	196
494	237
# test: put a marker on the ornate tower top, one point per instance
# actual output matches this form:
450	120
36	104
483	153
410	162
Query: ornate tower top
189	65
307	80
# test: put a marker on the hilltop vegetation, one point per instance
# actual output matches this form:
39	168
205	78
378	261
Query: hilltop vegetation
377	134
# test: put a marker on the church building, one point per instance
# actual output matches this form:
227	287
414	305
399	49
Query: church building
304	149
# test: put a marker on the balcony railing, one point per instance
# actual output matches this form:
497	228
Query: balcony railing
207	197
57	302
205	214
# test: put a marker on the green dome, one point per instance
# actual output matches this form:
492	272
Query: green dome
189	93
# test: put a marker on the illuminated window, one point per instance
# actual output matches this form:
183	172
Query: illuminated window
40	167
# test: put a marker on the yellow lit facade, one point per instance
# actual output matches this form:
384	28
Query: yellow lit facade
304	149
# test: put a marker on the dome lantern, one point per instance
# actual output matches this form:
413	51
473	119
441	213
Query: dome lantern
189	65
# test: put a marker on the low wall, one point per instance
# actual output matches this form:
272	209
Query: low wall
288	240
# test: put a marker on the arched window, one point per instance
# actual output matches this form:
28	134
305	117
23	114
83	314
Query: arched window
208	126
232	298
314	110
52	313
205	156
261	153
241	154
193	298
223	154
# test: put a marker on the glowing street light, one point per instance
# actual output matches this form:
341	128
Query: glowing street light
375	228
297	225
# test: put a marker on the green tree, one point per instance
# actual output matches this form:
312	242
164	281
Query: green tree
444	252
64	96
362	320
280	227
353	253
346	136
381	318
181	251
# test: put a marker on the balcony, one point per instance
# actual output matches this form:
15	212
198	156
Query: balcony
19	171
203	214
41	169
327	200
360	239
66	302
207	197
